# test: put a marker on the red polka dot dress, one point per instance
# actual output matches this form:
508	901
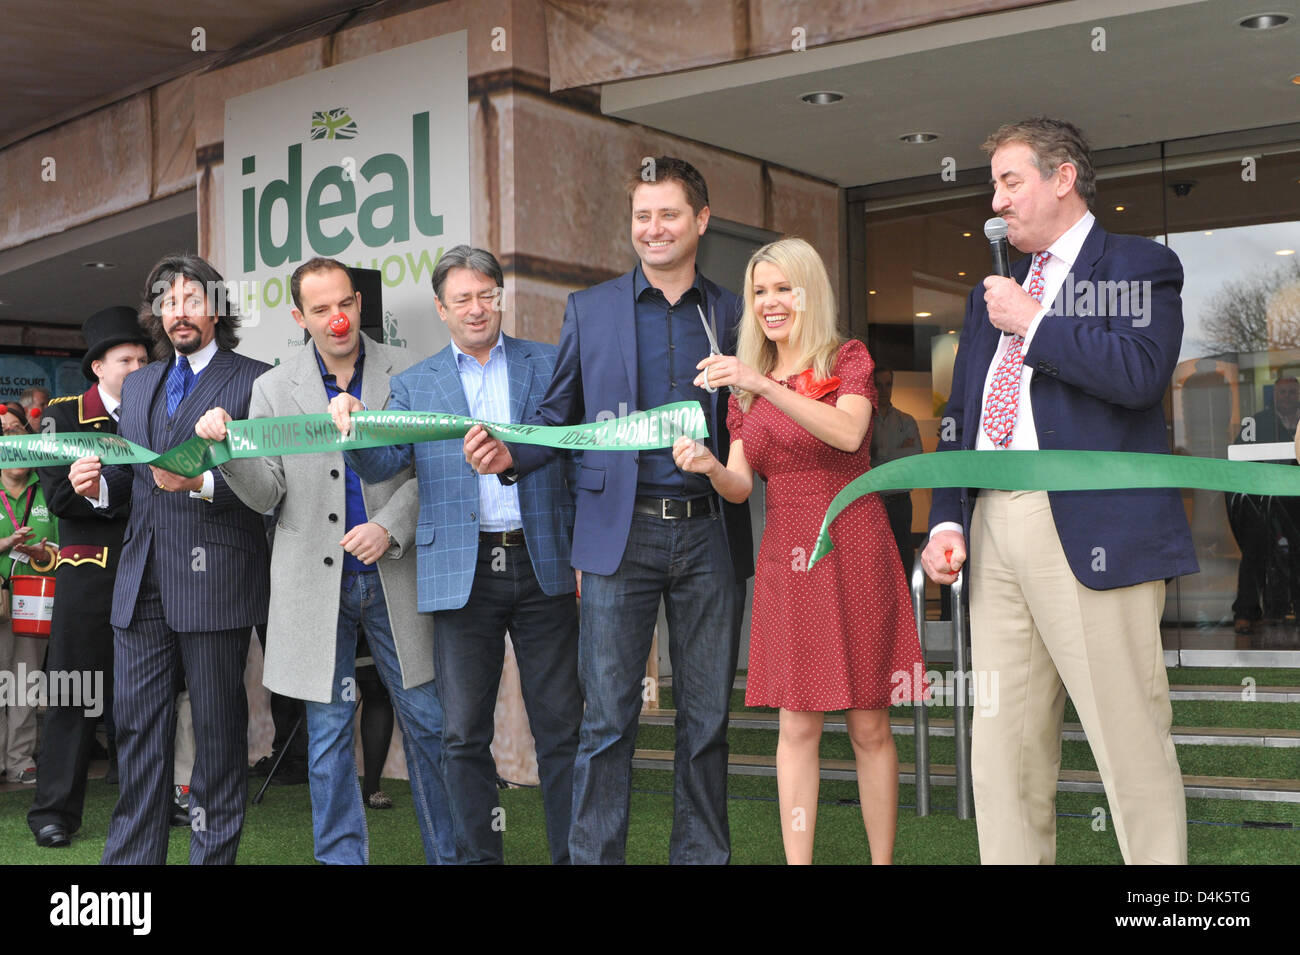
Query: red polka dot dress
842	635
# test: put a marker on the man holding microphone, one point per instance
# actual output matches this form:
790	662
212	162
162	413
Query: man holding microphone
1067	588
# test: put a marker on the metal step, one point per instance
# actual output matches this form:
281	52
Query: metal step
1232	694
1071	780
902	726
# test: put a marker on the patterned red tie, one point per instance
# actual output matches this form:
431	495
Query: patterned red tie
1004	392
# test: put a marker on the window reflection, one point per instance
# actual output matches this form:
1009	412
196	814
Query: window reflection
914	260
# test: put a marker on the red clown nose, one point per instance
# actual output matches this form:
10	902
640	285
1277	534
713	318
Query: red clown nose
340	325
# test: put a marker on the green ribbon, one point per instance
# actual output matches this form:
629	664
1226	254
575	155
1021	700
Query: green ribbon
1060	471
311	433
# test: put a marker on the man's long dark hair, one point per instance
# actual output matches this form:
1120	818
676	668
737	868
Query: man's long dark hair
220	302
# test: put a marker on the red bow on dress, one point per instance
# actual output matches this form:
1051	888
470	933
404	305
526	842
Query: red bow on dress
806	385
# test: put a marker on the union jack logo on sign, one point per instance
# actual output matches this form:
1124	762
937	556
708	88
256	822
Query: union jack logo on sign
333	124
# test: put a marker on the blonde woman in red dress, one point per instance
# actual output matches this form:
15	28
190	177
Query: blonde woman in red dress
840	636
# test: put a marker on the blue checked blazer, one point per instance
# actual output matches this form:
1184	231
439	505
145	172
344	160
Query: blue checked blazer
446	534
225	585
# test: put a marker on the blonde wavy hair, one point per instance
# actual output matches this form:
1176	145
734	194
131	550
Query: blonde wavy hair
813	331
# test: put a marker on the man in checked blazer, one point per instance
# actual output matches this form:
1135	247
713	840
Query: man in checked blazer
491	557
192	579
342	559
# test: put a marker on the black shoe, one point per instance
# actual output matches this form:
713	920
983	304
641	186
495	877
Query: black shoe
53	836
110	777
180	806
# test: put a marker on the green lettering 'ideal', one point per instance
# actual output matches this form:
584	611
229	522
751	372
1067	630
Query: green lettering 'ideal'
425	220
290	191
248	167
395	199
319	212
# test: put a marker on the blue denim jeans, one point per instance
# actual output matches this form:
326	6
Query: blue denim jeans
686	563
337	815
469	650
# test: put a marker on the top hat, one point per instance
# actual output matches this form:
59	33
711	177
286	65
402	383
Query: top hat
116	325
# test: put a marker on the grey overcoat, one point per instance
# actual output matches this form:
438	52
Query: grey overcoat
306	559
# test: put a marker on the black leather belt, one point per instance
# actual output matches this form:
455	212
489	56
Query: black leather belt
514	538
672	509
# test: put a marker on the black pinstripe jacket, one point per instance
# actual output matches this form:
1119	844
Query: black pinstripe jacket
210	558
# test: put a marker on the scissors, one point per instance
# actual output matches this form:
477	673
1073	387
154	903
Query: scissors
709	326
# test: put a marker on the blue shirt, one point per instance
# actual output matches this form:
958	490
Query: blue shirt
487	392
355	503
670	341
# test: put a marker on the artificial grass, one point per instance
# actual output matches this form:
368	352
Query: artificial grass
1253	715
1247	761
1232	676
278	832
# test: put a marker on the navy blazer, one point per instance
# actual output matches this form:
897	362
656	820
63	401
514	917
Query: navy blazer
596	378
1098	385
446	534
210	557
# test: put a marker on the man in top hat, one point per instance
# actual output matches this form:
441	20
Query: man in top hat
81	638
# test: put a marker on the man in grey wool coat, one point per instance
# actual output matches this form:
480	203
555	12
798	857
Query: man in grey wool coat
342	558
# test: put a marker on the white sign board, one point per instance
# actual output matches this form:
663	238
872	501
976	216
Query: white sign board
366	162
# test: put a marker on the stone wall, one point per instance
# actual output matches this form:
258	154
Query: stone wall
546	190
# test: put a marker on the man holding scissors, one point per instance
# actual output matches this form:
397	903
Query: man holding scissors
646	530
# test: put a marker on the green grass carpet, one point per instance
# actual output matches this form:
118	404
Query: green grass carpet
1266	763
1232	676
279	831
1254	715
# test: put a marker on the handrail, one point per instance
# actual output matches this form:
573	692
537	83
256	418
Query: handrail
920	711
961	715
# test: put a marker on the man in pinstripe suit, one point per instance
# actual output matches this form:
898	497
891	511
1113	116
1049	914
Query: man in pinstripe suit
192	580
490	557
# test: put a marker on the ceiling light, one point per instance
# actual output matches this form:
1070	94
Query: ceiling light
1285	252
1263	21
961	273
871	291
917	139
822	98
1119	208
1209	232
1296	79
99	265
965	235
922	314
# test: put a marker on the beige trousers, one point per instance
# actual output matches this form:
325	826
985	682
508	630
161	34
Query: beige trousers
1041	634
20	657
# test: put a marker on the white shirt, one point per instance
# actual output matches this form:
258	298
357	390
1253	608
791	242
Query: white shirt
111	404
487	393
1024	436
201	358
198	361
1063	251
